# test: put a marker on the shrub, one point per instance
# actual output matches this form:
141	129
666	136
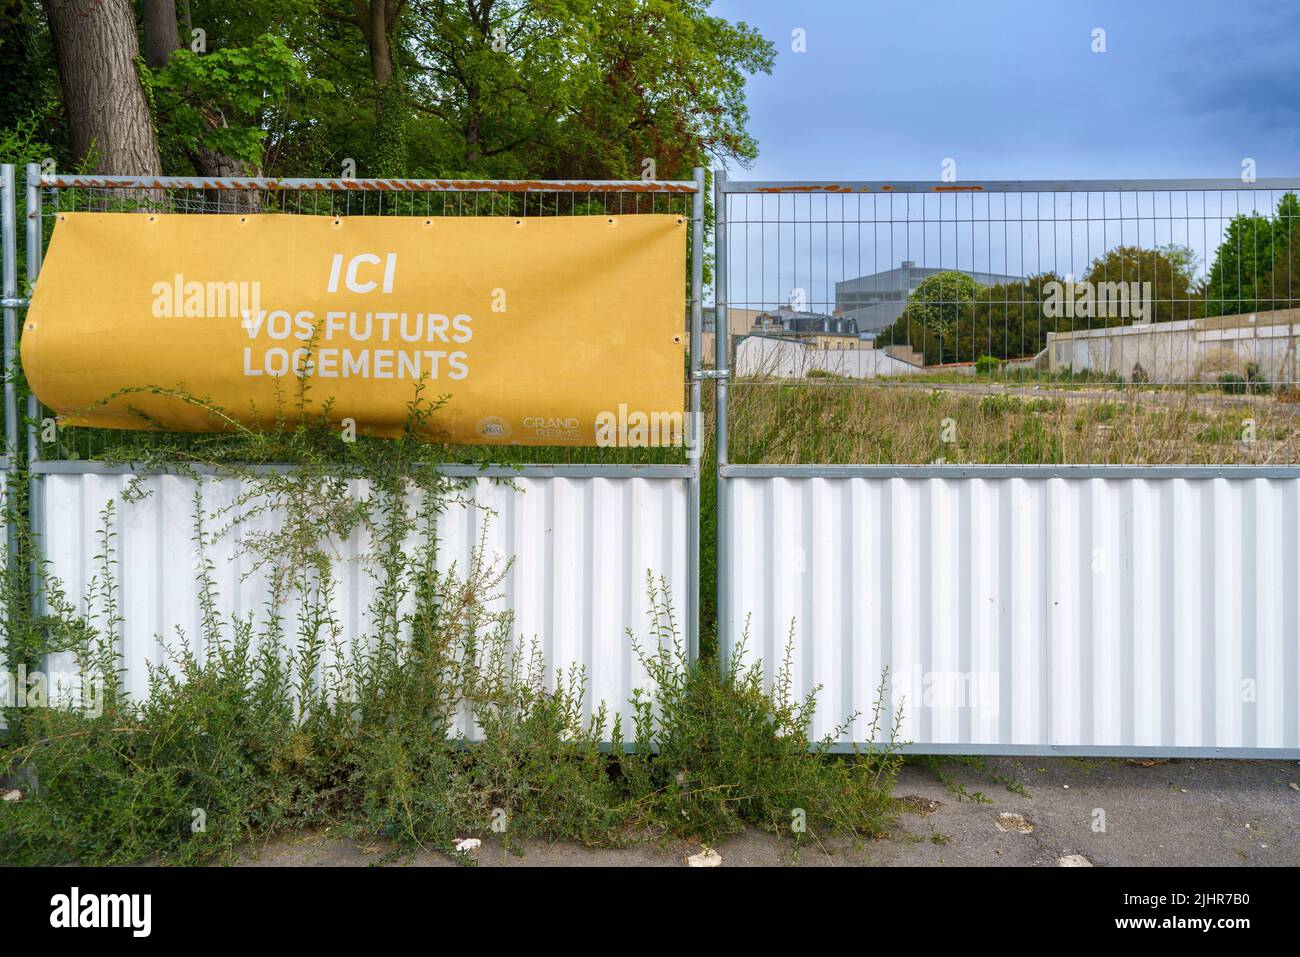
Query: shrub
1232	383
1256	381
232	746
715	750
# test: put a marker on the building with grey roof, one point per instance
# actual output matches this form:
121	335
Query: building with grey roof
796	322
875	301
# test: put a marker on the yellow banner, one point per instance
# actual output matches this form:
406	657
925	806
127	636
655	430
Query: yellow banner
566	330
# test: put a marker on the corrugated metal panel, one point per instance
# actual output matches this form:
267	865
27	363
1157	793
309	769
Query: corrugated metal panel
581	550
1082	615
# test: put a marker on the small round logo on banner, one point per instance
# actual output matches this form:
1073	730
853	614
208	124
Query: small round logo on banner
493	427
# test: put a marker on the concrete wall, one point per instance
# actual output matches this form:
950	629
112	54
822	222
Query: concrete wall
1197	350
781	358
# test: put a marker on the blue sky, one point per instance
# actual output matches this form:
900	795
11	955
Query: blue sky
1012	90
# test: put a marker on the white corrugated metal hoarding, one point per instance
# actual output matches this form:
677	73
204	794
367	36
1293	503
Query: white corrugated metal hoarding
5	479
1083	615
581	547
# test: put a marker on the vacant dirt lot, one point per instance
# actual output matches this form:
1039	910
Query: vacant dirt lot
1170	813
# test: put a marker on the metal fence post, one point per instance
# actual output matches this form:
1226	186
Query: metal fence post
9	255
35	253
722	348
695	436
35	502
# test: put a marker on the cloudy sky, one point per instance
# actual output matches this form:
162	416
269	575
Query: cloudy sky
1012	90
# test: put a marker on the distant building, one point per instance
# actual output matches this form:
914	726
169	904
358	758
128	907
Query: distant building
812	328
740	322
875	301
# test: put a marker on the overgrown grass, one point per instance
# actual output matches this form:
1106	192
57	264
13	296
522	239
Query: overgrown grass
445	727
435	721
786	422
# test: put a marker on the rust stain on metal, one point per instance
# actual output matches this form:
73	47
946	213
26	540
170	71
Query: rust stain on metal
522	186
807	188
372	185
841	188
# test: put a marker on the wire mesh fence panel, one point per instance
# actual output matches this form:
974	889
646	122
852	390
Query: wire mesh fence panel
1136	322
9	312
340	198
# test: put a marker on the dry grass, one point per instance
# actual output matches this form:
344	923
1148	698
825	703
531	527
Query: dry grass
838	422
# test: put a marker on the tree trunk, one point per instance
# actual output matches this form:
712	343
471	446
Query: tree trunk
472	154
376	20
213	164
161	40
481	17
95	47
161	31
376	32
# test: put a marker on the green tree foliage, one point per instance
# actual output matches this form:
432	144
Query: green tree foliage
565	88
248	83
1006	321
1279	287
28	83
500	88
1245	257
671	89
933	313
1170	271
952	318
1252	271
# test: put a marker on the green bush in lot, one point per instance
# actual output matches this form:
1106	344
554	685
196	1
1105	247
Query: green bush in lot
1232	383
1257	381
